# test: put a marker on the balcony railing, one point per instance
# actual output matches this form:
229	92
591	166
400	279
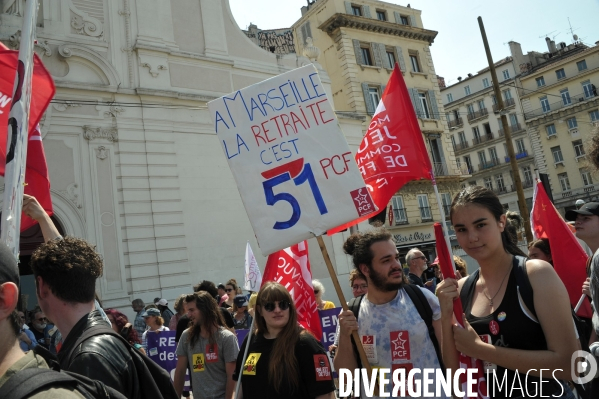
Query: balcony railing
478	114
440	169
488	164
527	183
426	214
456	122
510	102
401	217
461	146
519	155
483	139
513	128
579	98
501	190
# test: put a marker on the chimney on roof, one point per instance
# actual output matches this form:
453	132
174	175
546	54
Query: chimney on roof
469	75
550	45
441	82
459	78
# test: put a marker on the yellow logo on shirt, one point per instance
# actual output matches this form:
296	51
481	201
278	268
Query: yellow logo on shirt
250	364
199	362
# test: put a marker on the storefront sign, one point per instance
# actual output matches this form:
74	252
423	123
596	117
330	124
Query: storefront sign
413	237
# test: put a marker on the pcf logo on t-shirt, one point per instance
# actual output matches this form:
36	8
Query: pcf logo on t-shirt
400	345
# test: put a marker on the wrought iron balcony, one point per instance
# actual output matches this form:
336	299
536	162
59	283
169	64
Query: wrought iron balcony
461	146
513	129
488	164
456	122
483	139
579	98
519	155
478	114
425	214
510	102
400	216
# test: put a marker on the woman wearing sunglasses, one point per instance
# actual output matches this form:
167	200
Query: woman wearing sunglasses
284	360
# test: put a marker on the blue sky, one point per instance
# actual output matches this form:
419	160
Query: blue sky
458	48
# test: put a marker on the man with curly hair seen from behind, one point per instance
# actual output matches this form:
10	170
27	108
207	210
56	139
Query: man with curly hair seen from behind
65	271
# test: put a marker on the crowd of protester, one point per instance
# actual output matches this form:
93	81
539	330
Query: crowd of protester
70	331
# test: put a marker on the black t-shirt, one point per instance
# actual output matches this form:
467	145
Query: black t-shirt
313	365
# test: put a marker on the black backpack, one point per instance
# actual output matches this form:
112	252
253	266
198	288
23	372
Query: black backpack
30	381
525	290
154	381
424	310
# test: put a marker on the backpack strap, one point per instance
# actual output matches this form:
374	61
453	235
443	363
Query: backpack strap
354	306
523	283
29	381
426	313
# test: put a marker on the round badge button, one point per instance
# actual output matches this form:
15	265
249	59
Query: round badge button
501	316
494	327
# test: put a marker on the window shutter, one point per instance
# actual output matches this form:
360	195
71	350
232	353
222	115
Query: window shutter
383	52
433	101
358	51
402	63
413	21
348	8
377	54
366	10
370	107
416	103
397	17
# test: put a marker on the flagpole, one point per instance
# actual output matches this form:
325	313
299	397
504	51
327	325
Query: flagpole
17	135
443	224
355	336
245	355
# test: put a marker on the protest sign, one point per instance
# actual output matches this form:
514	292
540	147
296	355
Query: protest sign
293	167
162	349
329	320
241	334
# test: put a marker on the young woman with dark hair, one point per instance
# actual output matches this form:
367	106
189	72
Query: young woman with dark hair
284	360
540	249
514	340
120	324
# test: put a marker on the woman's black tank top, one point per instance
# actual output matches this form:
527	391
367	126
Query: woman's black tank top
508	326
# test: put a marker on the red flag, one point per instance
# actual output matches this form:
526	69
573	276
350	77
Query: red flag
291	268
569	259
37	179
392	152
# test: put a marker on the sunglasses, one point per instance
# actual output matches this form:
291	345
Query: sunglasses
42	319
270	306
420	257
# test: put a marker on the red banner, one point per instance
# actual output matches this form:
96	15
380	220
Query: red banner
291	268
392	152
569	259
37	179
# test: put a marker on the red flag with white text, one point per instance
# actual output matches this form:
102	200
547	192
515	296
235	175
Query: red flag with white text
37	179
291	268
392	152
569	259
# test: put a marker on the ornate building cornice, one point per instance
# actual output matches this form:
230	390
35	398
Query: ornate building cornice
108	133
374	25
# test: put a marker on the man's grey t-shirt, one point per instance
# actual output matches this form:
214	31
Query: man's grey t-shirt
207	362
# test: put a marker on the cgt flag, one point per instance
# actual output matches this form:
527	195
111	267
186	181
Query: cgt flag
291	268
569	259
37	179
392	152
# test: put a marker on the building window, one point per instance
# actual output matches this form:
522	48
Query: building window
572	123
513	121
560	73
399	210
468	163
506	74
493	99
578	148
557	154
589	89
476	134
415	64
493	155
594	115
467	90
404	20
482	158
565	96
470	109
375	95
488	183
550	129
453	141
540	81
381	15
449	97
485	82
507	94
462	137
446	200
472	183
500	183
356	10
527	175
545	104
582	65
424	104
520	148
366	56
564	182
587	180
425	209
391	58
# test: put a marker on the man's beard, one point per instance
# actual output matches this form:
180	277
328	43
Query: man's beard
378	280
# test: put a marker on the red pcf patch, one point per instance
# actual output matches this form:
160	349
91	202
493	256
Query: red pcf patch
322	368
400	345
211	353
362	201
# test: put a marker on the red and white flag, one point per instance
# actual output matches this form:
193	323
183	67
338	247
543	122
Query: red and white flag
37	179
569	259
291	268
392	152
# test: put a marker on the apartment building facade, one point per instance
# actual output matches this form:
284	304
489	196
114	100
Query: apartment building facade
561	109
477	134
360	42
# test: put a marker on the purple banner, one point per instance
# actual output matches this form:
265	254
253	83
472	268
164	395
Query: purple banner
241	334
329	319
162	348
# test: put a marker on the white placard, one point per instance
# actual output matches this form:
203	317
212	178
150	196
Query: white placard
295	172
